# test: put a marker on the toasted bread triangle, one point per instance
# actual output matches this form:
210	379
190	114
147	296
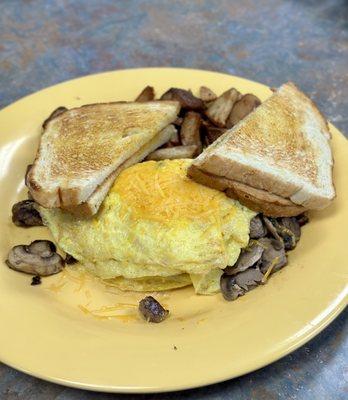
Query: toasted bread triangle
81	147
282	148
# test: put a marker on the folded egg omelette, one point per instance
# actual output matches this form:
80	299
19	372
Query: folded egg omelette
156	230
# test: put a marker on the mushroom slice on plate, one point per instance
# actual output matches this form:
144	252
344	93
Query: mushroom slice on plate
242	108
257	228
44	248
211	132
279	230
147	94
293	225
207	94
173	153
152	310
249	279
185	97
39	258
190	131
248	257
25	214
302	219
229	288
273	257
219	110
272	229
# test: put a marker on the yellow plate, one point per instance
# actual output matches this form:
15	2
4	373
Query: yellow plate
47	331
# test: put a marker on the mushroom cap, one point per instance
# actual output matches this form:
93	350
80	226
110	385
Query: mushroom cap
25	214
273	255
249	279
39	258
229	288
293	225
248	257
257	228
152	310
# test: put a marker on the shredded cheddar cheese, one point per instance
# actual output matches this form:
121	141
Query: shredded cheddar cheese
161	191
270	269
112	312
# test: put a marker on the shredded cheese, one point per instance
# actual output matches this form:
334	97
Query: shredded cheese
161	191
111	312
270	269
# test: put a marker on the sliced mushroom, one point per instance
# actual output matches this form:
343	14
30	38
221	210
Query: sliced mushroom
257	228
272	229
185	97
273	257
242	108
210	132
173	141
249	279
147	94
173	153
44	248
190	131
178	121
152	310
248	257
219	110
302	219
292	224
287	236
39	258
229	288
206	94
25	214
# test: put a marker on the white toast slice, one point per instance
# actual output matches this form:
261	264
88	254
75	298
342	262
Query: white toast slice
282	147
81	147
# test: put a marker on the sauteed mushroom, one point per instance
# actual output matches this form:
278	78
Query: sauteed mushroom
248	257
39	258
152	310
25	214
257	228
229	288
273	255
287	235
249	279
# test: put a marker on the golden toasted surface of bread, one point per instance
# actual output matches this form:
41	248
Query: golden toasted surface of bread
86	136
279	137
92	204
282	147
81	147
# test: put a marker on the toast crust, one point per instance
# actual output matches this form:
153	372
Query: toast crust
255	199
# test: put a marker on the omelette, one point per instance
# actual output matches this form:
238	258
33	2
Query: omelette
156	230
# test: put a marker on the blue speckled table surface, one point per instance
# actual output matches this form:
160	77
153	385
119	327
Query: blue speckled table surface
271	41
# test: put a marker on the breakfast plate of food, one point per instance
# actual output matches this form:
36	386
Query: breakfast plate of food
164	228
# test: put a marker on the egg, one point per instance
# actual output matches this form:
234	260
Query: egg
156	230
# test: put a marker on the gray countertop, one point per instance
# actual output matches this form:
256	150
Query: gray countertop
46	42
